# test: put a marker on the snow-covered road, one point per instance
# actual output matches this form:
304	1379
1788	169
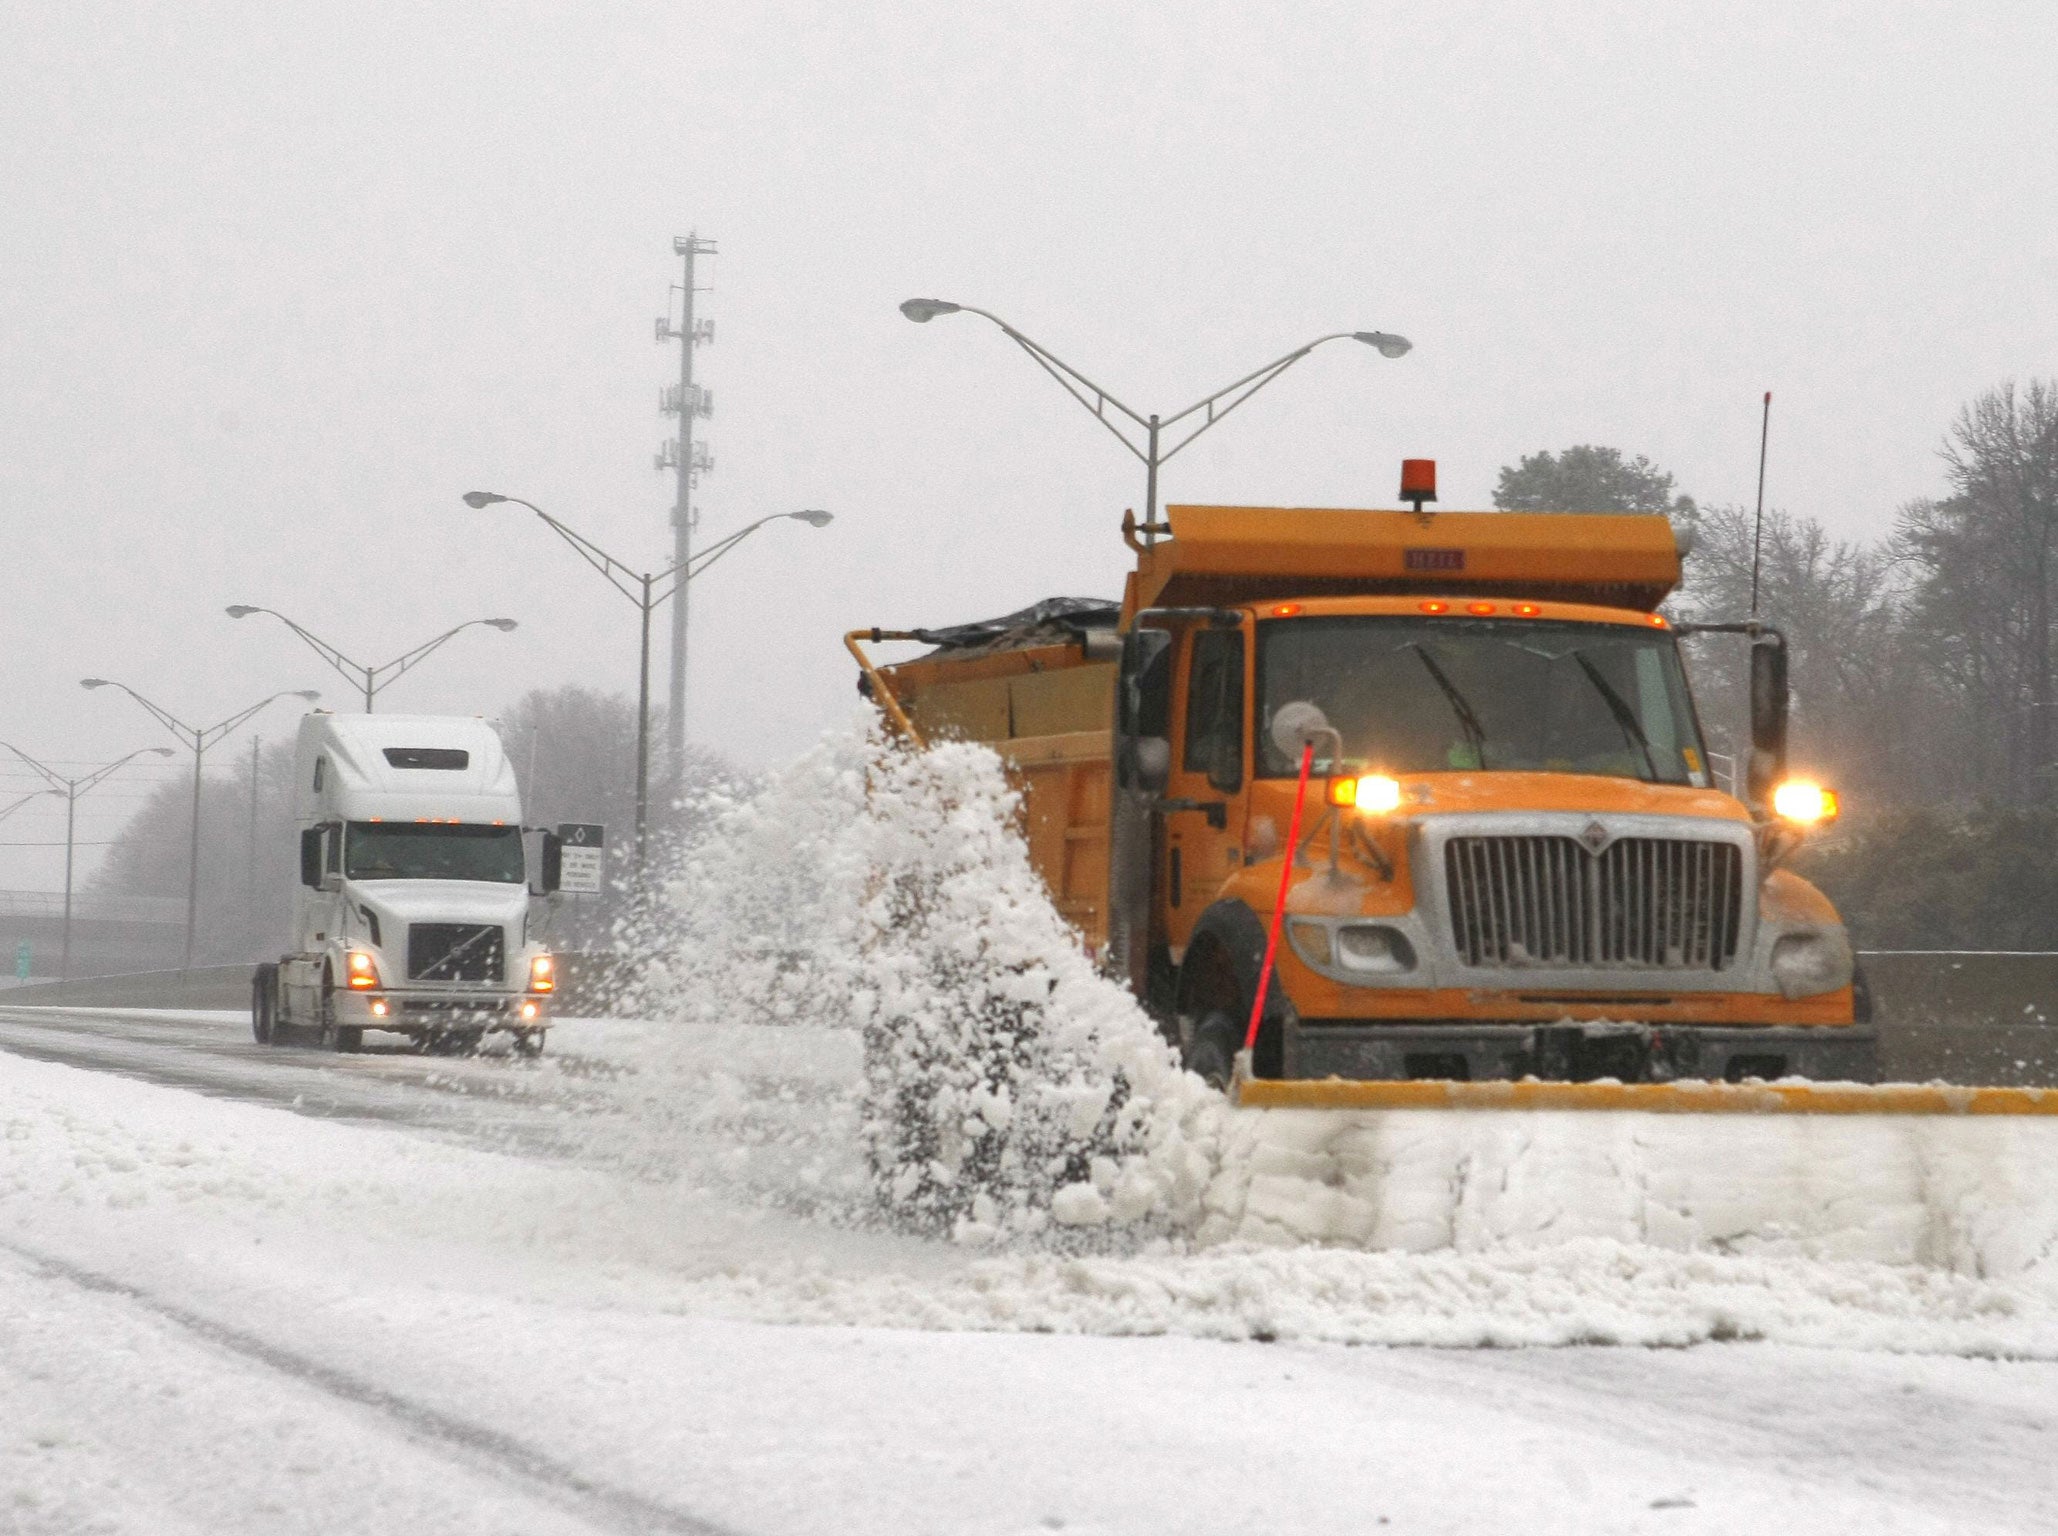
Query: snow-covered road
247	1290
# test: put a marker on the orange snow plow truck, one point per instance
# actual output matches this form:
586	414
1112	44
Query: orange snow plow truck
1515	878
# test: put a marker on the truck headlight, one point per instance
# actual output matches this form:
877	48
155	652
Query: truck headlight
1806	964
1373	793
542	973
361	970
1373	947
1805	803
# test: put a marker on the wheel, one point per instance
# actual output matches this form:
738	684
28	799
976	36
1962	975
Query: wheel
264	1004
1211	1052
528	1042
334	1036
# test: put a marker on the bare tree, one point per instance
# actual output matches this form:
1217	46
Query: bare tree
1982	608
1840	605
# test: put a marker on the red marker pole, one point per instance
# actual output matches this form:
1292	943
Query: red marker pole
1293	840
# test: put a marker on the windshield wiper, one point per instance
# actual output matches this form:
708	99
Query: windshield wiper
1624	715
1474	731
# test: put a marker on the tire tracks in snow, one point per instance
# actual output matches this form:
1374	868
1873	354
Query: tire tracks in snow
605	1504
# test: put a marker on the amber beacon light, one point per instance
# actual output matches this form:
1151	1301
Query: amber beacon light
1418	481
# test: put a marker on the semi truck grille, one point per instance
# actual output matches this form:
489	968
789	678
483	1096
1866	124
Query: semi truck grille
1641	902
456	952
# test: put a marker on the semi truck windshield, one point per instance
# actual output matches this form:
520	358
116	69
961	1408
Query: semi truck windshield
387	850
1526	695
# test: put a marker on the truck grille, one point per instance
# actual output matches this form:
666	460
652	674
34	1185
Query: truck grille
456	952
1642	902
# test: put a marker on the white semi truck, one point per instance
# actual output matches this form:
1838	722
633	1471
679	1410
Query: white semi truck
413	909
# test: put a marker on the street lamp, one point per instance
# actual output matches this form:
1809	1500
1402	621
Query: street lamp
34	794
71	789
200	738
369	679
643	589
1098	400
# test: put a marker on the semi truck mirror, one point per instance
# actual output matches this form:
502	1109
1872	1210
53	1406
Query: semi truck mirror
311	858
550	871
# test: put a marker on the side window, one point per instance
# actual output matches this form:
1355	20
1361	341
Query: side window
332	848
1214	708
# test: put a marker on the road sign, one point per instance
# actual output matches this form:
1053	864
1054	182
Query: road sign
582	847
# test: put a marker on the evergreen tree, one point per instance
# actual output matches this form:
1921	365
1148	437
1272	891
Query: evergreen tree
1589	478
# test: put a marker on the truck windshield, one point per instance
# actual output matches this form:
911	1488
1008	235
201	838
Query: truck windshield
1446	695
388	850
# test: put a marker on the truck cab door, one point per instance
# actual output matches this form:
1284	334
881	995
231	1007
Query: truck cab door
1205	799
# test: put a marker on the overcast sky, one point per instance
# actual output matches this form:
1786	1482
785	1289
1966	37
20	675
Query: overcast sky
282	281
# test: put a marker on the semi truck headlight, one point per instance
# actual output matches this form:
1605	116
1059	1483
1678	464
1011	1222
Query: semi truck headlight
1805	964
1371	947
1374	792
362	970
542	973
1804	803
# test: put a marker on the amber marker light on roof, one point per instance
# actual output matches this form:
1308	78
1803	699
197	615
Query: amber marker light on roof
1285	610
1656	621
1526	610
1482	609
1434	606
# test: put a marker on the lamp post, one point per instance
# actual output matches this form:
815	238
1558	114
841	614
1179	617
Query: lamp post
34	794
368	679
200	738
1099	401
71	789
648	591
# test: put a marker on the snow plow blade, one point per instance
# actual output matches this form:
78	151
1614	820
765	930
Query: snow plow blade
1679	1098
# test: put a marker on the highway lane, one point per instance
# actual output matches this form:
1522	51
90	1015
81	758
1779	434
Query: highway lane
492	1100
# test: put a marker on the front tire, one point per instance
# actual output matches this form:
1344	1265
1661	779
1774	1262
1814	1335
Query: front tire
264	1004
1211	1050
334	1036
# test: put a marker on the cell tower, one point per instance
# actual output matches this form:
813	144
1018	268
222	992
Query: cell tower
689	460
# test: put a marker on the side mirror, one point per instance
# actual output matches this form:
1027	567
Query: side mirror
1143	710
550	862
1148	763
1296	724
311	858
1769	699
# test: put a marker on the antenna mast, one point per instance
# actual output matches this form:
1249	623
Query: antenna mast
1758	527
689	402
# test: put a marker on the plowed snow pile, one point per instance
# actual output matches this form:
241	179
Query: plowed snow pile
969	1075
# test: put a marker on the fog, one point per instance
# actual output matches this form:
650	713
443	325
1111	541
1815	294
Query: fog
281	283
